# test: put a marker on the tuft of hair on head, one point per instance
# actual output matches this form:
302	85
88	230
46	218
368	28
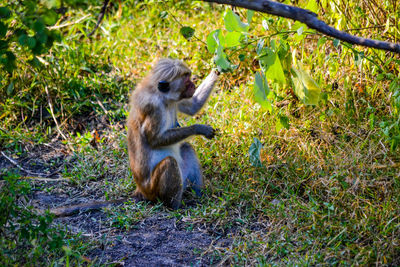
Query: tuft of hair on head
168	69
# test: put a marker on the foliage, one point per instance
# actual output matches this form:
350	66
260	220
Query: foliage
26	237
39	88
278	62
24	33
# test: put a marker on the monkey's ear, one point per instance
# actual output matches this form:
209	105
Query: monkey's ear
163	86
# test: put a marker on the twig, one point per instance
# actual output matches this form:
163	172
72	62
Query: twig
365	28
310	19
101	104
68	24
24	170
180	24
52	112
101	16
44	179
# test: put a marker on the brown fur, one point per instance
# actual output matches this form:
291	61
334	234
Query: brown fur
151	134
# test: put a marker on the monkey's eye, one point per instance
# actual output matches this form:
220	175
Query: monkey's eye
163	86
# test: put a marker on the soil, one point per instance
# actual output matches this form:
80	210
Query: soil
158	240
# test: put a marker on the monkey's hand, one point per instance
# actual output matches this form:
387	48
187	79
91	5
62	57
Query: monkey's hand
206	130
216	71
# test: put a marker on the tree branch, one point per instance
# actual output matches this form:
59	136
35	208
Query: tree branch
310	19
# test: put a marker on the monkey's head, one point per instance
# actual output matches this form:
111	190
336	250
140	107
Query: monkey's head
173	79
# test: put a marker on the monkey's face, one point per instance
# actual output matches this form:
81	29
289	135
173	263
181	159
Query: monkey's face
181	88
188	87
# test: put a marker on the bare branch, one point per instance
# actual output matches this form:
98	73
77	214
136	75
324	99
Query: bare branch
310	19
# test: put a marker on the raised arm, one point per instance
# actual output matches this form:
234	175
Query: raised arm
192	105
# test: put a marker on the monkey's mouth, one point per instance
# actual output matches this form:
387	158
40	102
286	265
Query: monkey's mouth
189	92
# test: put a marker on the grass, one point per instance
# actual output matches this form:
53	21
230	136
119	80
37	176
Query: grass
328	191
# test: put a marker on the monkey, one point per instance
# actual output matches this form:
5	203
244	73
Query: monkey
163	164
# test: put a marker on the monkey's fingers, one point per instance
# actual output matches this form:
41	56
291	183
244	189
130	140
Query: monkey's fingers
212	134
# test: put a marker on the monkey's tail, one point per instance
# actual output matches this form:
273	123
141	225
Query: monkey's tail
84	207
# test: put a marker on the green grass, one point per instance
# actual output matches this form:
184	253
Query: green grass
329	189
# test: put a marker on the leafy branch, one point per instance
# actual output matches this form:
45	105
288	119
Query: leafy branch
310	19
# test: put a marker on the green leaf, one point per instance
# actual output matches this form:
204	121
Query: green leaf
187	32
31	42
272	66
321	41
358	58
5	13
214	39
50	17
232	39
254	153
221	61
39	26
260	46
51	3
306	89
233	22
336	43
3	29
250	14
285	121
300	30
10	88
9	61
261	91
282	122
242	57
312	6
22	39
3	45
41	37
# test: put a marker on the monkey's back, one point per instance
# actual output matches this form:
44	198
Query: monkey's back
138	147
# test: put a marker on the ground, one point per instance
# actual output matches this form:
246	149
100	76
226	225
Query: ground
157	240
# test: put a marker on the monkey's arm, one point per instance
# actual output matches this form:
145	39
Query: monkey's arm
196	102
152	129
175	135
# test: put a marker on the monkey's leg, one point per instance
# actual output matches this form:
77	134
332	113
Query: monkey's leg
191	169
166	181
